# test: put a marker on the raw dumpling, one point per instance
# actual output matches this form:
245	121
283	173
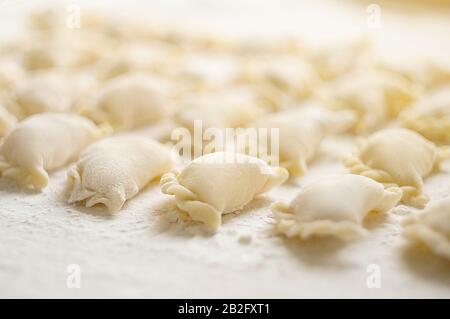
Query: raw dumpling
429	73
220	183
301	132
430	116
223	109
334	206
375	97
397	156
50	92
115	169
7	121
43	92
336	59
130	101
431	227
10	74
42	143
152	57
208	71
281	80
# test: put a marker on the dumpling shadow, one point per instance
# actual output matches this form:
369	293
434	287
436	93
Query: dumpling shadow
100	211
426	264
9	186
167	219
317	251
257	203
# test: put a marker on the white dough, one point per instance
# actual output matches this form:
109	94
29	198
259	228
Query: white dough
7	121
10	74
397	156
206	71
301	132
224	109
42	143
431	227
115	169
50	92
375	97
276	77
333	60
220	183
130	101
334	206
42	92
429	73
430	116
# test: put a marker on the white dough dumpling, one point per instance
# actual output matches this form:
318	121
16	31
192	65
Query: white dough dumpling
43	143
335	205
42	92
220	183
430	116
113	170
301	132
7	121
280	80
375	97
397	156
130	101
333	60
431	227
223	109
50	92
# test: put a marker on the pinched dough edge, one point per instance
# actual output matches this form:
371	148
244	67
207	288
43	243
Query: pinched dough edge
411	195
187	201
287	224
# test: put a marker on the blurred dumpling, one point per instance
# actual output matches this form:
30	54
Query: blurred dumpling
430	116
431	227
130	101
7	121
375	97
301	132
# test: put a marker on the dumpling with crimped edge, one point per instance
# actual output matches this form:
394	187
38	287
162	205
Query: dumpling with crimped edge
376	97
430	116
130	101
431	227
7	121
115	169
220	183
43	143
398	156
301	131
334	205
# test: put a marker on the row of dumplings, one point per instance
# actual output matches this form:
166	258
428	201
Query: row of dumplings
111	170
184	74
62	90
